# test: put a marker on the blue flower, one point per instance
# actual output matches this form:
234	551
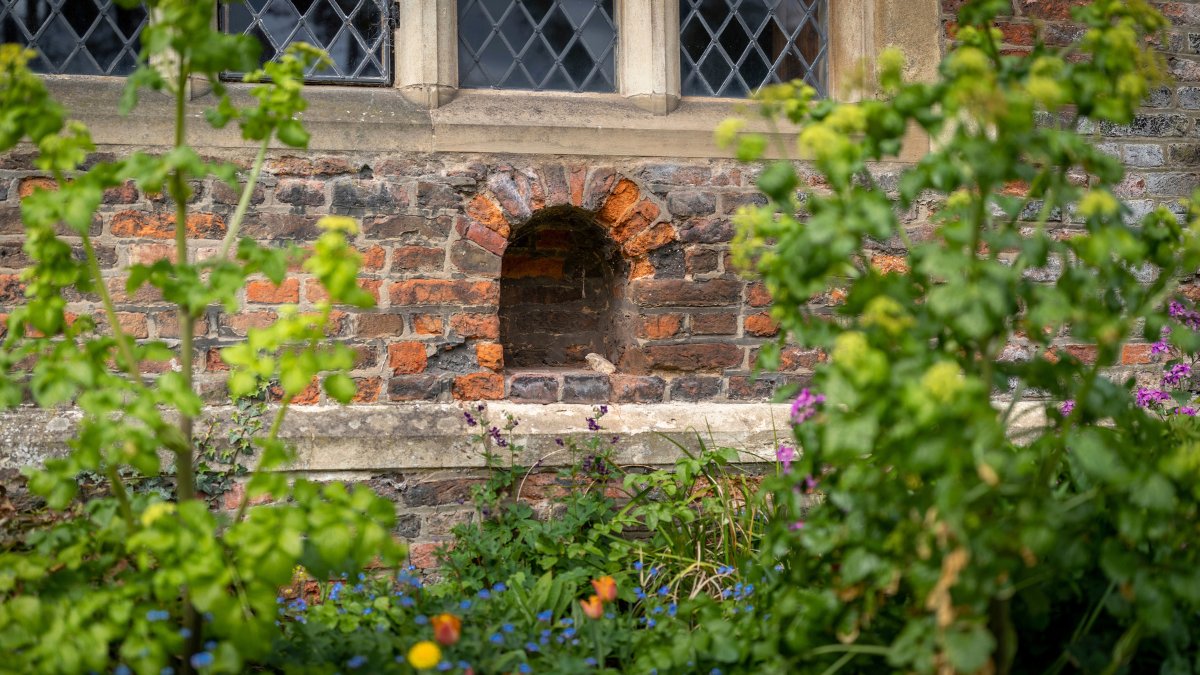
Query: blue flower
158	615
202	660
531	647
444	666
185	633
546	615
638	565
122	669
657	609
210	645
356	662
524	668
399	658
500	587
663	591
421	620
167	670
485	594
568	633
407	601
368	610
591	661
465	604
496	639
672	608
507	628
639	593
715	671
567	621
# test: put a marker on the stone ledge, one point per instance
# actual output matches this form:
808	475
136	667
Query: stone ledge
428	436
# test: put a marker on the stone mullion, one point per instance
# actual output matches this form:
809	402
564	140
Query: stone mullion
425	56
648	54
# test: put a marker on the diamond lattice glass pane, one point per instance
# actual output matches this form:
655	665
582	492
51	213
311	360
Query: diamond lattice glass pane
76	37
355	33
733	47
544	45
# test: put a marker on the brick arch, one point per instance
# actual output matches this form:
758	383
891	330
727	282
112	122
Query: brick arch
632	216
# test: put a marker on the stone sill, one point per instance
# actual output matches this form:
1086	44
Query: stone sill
361	119
433	436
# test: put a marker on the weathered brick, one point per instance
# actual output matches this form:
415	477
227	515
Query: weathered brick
407	227
167	325
133	324
586	388
436	196
280	226
237	325
761	325
373	257
1136	354
489	240
300	192
667	292
792	357
162	225
675	174
300	166
695	388
407	358
28	185
635	221
686	203
417	387
1054	10
267	292
351	195
723	323
743	387
470	326
485	211
126	193
473	260
623	196
886	264
701	260
478	387
490	355
533	388
367	389
692	357
1152	125
660	326
649	240
315	292
637	389
376	325
706	231
1189	98
417	259
427	324
444	292
1144	155
148	254
757	295
668	261
454	357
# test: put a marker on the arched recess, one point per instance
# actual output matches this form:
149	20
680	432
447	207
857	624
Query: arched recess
562	289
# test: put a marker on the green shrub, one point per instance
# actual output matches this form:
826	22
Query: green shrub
134	580
942	544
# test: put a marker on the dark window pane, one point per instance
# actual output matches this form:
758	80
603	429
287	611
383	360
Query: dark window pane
76	37
544	45
733	47
355	33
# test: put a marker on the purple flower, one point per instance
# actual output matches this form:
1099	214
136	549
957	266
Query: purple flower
798	525
1162	346
1188	317
559	441
1186	410
1066	407
470	420
1147	397
592	426
786	454
805	406
603	410
810	482
1177	373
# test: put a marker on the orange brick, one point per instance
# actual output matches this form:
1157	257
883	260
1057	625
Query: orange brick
427	324
148	254
761	325
648	240
372	258
485	326
522	267
28	185
267	292
479	387
757	295
1136	354
368	389
490	355
485	211
890	263
133	324
660	326
406	358
315	292
623	196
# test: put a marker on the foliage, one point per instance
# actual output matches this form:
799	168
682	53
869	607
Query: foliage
944	545
136	581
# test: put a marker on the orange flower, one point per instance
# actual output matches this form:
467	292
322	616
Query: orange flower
606	588
447	628
593	607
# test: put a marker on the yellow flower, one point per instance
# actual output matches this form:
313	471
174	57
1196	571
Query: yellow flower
424	655
155	511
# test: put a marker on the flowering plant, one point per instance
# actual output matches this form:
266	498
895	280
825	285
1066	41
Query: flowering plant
942	543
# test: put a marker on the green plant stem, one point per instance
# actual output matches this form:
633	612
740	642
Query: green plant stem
122	496
596	642
244	202
276	423
124	346
839	664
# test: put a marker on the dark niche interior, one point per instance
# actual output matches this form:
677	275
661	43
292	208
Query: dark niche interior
562	280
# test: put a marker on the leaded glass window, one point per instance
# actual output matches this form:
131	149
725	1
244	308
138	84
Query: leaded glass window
733	47
555	45
77	37
356	33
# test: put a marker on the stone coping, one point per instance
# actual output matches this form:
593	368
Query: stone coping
431	436
380	119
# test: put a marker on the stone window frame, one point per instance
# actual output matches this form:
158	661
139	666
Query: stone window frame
424	111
